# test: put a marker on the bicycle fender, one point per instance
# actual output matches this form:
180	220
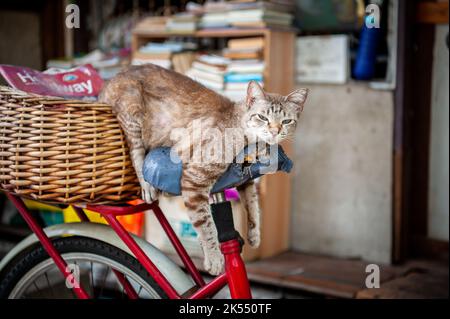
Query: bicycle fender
177	278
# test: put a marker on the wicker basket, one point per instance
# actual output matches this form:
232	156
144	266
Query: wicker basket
63	151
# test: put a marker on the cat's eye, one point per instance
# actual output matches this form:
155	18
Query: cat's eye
288	121
262	118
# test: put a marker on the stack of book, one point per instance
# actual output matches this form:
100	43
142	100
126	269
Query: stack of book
239	73
160	53
245	65
182	23
209	70
247	14
229	74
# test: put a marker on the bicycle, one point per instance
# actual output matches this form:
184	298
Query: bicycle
140	270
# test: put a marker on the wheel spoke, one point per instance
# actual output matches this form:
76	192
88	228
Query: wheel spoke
104	280
50	286
38	290
92	279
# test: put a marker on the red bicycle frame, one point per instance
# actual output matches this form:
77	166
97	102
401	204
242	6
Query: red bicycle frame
235	274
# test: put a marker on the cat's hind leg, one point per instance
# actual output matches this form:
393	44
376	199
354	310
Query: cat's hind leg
250	199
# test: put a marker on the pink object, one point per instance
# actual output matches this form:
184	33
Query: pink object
82	81
231	194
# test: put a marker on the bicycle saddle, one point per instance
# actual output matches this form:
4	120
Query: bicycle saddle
163	170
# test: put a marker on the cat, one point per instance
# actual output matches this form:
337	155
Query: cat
150	102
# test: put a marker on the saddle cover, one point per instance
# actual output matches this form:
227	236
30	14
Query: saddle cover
163	170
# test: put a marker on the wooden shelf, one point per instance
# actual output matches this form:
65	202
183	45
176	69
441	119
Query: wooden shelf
211	33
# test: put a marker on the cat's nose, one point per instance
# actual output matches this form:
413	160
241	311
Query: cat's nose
274	129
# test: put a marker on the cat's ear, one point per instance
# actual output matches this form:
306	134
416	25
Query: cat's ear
254	93
298	97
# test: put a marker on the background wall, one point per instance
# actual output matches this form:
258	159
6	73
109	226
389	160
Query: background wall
20	39
343	167
438	217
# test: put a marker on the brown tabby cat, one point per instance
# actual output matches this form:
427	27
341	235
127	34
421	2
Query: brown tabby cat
151	102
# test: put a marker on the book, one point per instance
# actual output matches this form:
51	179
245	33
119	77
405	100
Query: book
166	47
236	77
246	66
181	27
246	43
208	83
184	23
219	6
196	73
214	59
217	69
214	20
242	54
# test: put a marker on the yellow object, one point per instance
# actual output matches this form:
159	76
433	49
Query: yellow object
248	159
70	216
35	205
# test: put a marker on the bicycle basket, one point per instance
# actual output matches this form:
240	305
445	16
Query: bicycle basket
63	151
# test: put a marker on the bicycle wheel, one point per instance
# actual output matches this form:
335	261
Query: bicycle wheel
33	274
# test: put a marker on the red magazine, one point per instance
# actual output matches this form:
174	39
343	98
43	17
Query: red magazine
79	82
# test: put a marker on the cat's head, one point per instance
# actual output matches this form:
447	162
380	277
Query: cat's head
272	117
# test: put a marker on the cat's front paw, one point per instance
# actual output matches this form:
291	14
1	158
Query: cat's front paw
149	193
214	262
254	238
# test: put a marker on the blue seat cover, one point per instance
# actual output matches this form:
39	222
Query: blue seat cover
163	170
